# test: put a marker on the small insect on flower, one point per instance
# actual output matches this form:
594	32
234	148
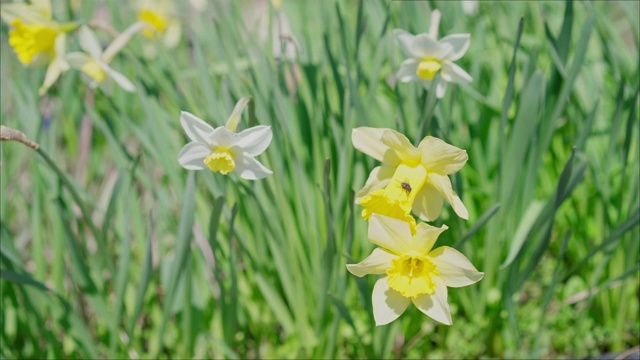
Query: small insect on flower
406	187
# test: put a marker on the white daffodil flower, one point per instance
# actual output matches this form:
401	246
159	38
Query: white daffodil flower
164	24
222	149
94	63
416	273
410	179
428	56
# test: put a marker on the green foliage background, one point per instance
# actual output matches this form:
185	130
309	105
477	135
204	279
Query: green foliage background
130	255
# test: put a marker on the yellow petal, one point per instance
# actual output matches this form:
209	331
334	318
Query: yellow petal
426	236
443	185
369	141
403	148
428	203
454	268
435	305
440	157
389	233
376	263
379	178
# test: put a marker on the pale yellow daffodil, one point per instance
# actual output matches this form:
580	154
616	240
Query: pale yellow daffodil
36	38
94	64
223	150
411	178
164	25
415	271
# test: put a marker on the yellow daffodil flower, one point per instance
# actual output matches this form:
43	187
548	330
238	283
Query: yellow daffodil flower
411	178
159	14
222	149
36	38
94	63
415	271
428	56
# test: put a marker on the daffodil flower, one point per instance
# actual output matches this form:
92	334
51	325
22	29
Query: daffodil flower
411	178
158	14
94	63
415	271
36	38
428	56
222	149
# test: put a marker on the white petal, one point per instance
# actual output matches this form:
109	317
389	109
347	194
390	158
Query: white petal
440	157
428	203
254	140
192	156
443	185
171	36
435	305
388	304
408	71
53	73
121	40
424	45
120	79
77	60
454	73
390	233
376	263
60	48
223	137
236	115
369	141
459	44
405	39
441	89
250	168
89	42
379	178
454	268
426	236
196	129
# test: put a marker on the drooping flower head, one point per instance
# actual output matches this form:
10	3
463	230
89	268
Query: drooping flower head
222	149
94	64
36	38
410	179
415	272
428	56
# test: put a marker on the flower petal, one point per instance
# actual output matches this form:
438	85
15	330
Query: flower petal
454	268
250	168
408	71
441	89
120	79
53	73
459	44
440	157
376	263
369	141
443	185
77	59
390	233
424	45
405	39
403	148
454	73
379	178
254	140
192	155
388	304
428	203
89	42
196	129
121	40
222	137
435	305
236	115
426	236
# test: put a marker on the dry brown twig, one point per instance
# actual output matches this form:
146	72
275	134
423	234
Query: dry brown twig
9	134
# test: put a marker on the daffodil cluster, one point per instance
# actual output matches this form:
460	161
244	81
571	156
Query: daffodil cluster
37	39
414	180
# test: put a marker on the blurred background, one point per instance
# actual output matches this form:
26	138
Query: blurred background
110	249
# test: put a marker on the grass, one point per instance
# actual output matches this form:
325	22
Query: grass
110	249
